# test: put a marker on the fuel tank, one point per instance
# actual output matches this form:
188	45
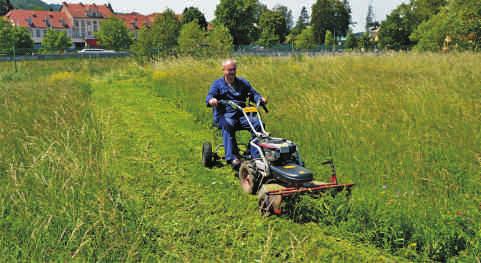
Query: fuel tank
292	174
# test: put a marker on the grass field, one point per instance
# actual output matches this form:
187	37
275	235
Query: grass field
99	161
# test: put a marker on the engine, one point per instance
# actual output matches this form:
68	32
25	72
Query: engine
279	151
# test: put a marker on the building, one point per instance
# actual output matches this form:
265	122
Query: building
85	20
38	22
80	21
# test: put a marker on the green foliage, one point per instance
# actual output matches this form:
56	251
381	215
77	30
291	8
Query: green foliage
192	40
387	122
301	23
459	22
351	41
332	15
91	171
306	39
165	31
143	46
220	42
14	36
113	34
158	40
6	35
194	14
273	26
30	4
240	17
55	41
365	42
329	39
401	22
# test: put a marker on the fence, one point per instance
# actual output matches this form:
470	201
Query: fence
36	54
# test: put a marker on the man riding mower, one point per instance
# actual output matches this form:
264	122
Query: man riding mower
272	167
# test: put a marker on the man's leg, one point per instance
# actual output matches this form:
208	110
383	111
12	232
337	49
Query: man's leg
257	126
228	126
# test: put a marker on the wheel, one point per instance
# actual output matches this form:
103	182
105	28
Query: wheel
247	179
207	155
269	204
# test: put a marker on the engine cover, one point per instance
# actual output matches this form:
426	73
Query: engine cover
291	174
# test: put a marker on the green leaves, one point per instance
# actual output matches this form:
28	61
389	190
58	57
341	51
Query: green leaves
113	34
55	41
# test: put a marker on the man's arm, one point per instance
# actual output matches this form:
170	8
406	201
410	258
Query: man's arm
212	94
254	95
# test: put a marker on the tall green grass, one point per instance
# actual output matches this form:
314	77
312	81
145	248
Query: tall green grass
406	129
57	202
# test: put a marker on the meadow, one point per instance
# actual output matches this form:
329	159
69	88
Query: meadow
100	161
404	128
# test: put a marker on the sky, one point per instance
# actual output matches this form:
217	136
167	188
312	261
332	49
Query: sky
359	7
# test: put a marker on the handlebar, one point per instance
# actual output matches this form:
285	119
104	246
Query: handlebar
238	107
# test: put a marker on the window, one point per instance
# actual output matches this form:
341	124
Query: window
38	32
76	23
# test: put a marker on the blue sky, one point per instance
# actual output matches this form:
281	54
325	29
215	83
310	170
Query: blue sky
359	7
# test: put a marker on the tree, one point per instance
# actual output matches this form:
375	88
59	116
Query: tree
302	22
165	31
457	25
143	46
395	30
113	34
6	35
5	6
305	40
331	15
191	40
351	41
402	21
274	27
14	37
220	41
55	40
194	14
287	13
365	41
268	38
241	18
329	40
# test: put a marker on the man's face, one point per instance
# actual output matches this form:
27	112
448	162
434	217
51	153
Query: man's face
230	70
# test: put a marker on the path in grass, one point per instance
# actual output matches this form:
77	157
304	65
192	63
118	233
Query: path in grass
184	211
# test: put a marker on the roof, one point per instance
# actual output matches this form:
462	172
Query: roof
38	19
135	20
81	10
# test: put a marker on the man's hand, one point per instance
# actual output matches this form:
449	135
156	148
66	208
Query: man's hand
213	102
264	100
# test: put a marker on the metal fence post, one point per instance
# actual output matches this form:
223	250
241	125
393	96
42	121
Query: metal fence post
14	58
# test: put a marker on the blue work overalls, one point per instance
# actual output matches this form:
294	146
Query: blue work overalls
229	119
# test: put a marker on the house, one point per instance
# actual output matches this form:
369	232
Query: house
85	20
80	21
135	21
38	22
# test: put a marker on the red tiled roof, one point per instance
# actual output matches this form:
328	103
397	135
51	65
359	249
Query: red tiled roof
135	20
38	19
87	10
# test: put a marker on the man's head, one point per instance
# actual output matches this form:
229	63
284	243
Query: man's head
229	67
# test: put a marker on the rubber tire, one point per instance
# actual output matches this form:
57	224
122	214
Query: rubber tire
247	180
268	204
207	155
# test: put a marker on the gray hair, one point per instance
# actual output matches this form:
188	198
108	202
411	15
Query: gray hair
228	62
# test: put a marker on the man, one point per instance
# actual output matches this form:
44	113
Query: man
230	87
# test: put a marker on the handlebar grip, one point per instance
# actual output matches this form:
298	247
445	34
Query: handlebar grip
265	108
